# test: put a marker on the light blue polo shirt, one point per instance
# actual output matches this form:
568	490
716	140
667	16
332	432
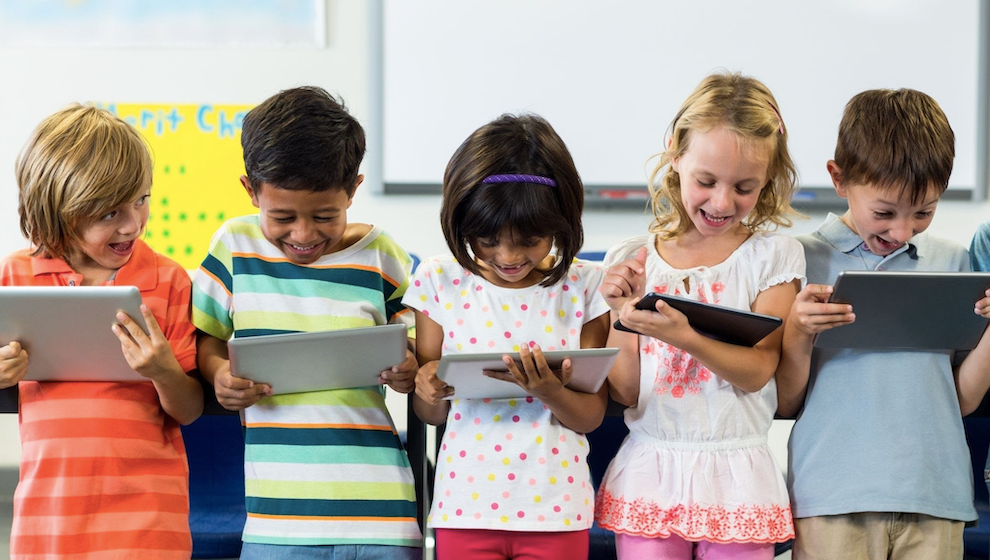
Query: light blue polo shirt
880	430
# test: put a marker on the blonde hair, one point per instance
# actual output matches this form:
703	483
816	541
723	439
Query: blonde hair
744	106
79	164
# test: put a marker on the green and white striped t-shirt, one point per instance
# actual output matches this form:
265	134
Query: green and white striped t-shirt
324	467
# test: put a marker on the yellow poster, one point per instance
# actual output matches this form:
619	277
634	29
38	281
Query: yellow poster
196	150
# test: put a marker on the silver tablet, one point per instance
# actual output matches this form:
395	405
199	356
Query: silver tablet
66	330
465	372
909	310
316	361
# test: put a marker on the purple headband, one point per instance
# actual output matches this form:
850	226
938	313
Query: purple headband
517	178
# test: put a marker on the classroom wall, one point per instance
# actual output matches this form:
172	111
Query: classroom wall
38	81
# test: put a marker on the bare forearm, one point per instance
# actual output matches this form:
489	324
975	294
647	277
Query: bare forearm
581	412
793	371
211	356
181	396
431	414
623	377
973	376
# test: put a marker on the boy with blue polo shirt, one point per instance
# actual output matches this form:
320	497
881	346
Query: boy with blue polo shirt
325	472
878	461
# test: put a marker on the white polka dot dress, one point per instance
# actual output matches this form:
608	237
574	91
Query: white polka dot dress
507	464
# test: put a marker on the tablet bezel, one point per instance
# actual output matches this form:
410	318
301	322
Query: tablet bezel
66	330
319	361
464	372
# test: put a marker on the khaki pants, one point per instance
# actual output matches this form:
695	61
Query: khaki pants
877	536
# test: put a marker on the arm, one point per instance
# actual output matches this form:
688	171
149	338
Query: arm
13	364
151	356
428	401
748	369
233	393
973	375
624	282
809	315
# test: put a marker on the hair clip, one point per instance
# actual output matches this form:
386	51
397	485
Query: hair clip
517	178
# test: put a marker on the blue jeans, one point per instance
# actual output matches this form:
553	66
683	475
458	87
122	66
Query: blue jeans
253	551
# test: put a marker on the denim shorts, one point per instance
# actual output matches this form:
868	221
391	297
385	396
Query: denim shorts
253	551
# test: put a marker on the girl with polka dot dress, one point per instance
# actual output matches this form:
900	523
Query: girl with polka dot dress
512	477
695	477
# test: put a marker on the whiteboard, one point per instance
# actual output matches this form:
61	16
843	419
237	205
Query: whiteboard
609	76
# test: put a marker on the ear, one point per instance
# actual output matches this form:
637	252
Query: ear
360	179
835	172
246	183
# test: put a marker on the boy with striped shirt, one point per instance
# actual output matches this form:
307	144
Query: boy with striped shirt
325	471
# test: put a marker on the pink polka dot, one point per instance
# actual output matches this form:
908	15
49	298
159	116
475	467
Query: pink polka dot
520	514
458	512
541	518
579	314
519	324
436	299
481	457
460	322
543	460
556	509
524	307
555	451
447	493
494	505
485	308
570	479
440	505
463	453
508	436
532	343
491	344
566	287
563	438
563	342
470	479
452	435
573	332
515	418
477	515
444	447
477	421
508	334
478	289
505	494
457	281
486	400
574	278
473	340
578	517
417	283
511	476
427	313
532	482
451	334
577	459
522	456
536	425
529	399
553	294
467	306
457	416
498	447
543	312
453	474
567	497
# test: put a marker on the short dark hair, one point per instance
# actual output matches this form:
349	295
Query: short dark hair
302	139
471	210
896	139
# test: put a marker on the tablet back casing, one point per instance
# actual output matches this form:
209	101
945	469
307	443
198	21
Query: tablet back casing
66	330
464	372
316	361
909	310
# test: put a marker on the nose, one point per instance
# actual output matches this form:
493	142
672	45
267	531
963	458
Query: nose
132	221
509	253
303	231
721	199
902	230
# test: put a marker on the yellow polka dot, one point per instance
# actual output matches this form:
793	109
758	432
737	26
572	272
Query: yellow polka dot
515	348
567	521
564	464
491	478
553	480
574	299
512	402
449	458
581	443
549	328
488	324
463	293
562	313
439	270
445	517
478	437
539	439
586	501
459	347
497	417
448	306
505	307
474	496
422	297
504	519
505	461
537	499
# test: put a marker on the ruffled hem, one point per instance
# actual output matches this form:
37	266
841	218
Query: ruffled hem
762	524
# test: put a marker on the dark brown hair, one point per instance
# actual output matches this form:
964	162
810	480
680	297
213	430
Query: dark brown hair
471	210
302	139
896	139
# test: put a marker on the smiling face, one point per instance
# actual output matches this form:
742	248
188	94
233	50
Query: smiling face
512	263
885	218
721	177
304	225
106	243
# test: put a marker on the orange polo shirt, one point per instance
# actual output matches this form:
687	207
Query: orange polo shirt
103	471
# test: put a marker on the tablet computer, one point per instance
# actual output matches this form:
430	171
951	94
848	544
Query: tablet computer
465	372
317	361
919	310
734	326
66	330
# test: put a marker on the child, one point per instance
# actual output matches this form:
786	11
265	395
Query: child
103	470
512	475
325	471
695	478
879	466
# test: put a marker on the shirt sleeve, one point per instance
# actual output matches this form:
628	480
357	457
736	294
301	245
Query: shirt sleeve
212	290
784	262
979	248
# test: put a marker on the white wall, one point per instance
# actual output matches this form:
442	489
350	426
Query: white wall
38	81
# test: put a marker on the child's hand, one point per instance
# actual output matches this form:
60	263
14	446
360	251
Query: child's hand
148	354
237	393
663	323
430	388
983	306
13	364
812	314
625	281
401	378
536	377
